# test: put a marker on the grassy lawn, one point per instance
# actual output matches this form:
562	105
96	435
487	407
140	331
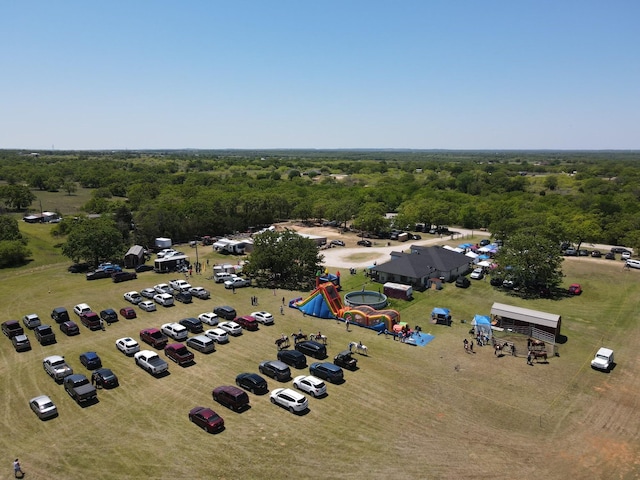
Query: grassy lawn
407	413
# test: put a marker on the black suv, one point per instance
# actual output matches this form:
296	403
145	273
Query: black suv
327	371
275	369
60	315
118	277
192	324
183	297
109	315
45	335
462	282
252	382
293	358
226	312
313	349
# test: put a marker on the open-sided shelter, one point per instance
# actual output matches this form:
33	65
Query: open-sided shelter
533	323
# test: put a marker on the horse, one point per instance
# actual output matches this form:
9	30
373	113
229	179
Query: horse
298	337
540	354
534	344
499	347
282	342
318	337
360	348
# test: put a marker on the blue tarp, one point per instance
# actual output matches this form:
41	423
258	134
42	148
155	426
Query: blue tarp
482	324
465	245
440	311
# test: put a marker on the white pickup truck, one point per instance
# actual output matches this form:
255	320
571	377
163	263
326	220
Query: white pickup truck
151	362
237	282
603	359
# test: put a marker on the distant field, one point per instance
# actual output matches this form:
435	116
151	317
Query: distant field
407	413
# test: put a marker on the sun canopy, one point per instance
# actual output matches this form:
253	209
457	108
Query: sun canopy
440	311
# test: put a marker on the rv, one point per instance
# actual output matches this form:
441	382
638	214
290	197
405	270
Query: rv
171	264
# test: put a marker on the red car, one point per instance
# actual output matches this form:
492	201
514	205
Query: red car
206	418
575	289
178	353
154	337
91	320
128	312
247	322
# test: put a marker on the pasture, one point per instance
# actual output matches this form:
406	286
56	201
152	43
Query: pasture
407	413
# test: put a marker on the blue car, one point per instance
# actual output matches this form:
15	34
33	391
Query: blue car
90	360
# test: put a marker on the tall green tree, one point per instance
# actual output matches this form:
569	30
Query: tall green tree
94	241
284	259
17	197
530	261
13	246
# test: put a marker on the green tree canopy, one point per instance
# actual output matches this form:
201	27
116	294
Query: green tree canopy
284	259
94	240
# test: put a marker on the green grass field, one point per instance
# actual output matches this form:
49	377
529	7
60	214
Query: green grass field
407	413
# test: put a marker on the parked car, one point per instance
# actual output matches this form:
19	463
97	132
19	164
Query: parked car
496	281
179	353
104	378
109	315
231	397
217	334
151	362
128	313
327	371
79	388
625	255
81	308
619	250
183	297
60	315
91	320
154	337
175	330
463	282
192	324
148	292
209	318
147	306
575	289
133	297
571	252
313	349
97	274
78	268
289	399
596	254
43	407
252	382
180	285
293	358
90	360
237	282
21	343
45	335
202	343
70	328
345	359
163	299
477	274
56	367
118	277
206	419
163	288
336	243
311	385
200	292
484	242
11	328
166	252
247	322
264	318
275	369
364	243
583	252
610	256
127	345
143	268
226	312
232	328
31	321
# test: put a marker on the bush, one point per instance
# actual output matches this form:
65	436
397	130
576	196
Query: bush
13	253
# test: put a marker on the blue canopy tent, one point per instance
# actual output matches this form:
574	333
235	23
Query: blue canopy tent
482	325
441	315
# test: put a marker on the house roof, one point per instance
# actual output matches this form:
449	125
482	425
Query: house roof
526	315
423	262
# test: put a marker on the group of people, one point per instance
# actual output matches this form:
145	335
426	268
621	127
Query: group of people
254	300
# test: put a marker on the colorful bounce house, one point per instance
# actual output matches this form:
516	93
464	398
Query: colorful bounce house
325	302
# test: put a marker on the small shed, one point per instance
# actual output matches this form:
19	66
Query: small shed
134	257
541	325
398	290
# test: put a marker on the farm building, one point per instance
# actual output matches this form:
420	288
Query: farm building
541	325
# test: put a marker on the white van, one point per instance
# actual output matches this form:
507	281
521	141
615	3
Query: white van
221	277
633	263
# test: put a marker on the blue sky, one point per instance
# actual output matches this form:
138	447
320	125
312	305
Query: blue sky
451	74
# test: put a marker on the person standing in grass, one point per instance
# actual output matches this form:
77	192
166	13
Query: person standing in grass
17	469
